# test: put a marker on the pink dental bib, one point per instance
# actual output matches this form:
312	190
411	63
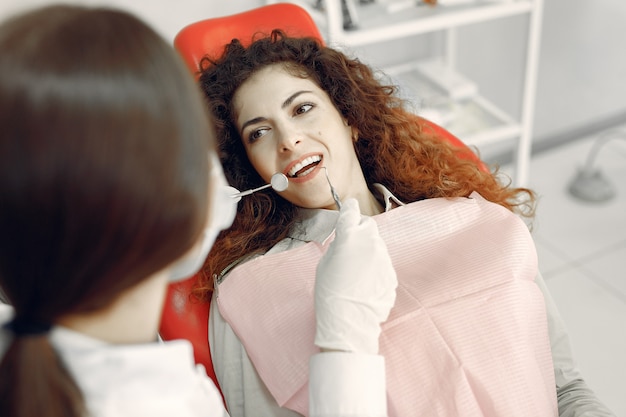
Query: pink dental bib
468	335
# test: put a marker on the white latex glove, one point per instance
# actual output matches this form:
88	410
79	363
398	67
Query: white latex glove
355	286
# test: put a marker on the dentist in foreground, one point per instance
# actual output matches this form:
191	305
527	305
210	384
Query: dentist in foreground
110	189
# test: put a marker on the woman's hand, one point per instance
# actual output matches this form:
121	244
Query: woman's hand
355	285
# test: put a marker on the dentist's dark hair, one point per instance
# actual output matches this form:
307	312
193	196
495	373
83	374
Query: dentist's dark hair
103	180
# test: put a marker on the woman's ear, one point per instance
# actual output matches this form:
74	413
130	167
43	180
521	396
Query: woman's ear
355	133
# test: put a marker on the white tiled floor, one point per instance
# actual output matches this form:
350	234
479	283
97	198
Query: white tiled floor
582	256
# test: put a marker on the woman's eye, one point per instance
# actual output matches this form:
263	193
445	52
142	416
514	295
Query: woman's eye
303	108
256	134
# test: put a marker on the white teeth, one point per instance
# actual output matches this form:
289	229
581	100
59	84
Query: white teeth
306	172
307	161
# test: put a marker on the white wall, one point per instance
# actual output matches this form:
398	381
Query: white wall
582	65
166	16
582	68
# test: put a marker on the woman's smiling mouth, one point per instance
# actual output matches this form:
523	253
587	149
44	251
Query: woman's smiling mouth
304	167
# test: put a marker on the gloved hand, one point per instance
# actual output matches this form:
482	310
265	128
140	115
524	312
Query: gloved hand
355	286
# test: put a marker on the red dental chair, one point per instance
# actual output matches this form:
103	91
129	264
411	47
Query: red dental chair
208	37
184	317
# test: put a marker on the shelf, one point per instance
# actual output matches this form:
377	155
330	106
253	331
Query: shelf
382	21
463	111
473	119
480	123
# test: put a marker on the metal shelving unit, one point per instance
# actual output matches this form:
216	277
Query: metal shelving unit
473	118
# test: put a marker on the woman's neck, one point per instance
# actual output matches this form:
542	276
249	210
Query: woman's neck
370	205
133	317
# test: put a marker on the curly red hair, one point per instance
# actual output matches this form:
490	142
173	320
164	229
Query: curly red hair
393	146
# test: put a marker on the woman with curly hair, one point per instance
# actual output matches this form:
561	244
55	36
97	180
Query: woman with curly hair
473	330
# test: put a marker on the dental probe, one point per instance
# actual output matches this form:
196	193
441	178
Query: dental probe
332	190
279	182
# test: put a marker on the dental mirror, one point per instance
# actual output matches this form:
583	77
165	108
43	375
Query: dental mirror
279	182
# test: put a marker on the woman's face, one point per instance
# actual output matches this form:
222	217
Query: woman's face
288	124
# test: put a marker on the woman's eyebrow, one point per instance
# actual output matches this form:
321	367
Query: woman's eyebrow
292	97
251	122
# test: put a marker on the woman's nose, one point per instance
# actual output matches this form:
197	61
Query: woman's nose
288	140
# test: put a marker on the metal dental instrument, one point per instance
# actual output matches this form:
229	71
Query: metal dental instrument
332	190
279	182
